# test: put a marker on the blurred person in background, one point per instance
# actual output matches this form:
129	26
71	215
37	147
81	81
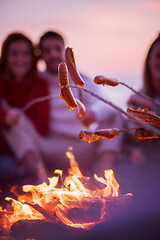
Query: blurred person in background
151	79
66	125
20	84
148	149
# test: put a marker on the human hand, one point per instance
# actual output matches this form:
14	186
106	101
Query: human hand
136	100
12	117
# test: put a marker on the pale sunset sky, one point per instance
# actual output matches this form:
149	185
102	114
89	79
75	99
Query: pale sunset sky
108	37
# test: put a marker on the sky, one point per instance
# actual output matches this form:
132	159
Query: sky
109	38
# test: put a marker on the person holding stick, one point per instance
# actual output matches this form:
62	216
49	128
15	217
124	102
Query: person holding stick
148	148
151	79
66	125
25	130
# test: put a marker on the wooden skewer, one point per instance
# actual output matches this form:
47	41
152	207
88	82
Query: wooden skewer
49	97
141	94
43	211
38	100
139	122
100	79
127	130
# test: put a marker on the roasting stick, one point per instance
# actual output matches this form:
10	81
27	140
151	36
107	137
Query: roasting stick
141	94
37	100
139	122
100	79
49	97
43	211
127	130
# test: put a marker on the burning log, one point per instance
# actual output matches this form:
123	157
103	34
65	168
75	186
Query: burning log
43	211
37	229
62	205
41	229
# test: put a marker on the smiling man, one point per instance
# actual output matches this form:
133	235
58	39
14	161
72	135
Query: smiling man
65	125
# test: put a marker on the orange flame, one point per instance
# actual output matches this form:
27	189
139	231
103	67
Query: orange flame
71	204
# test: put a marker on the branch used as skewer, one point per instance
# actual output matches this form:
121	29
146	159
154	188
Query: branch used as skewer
50	97
43	211
90	137
140	133
38	100
127	130
100	79
141	94
139	122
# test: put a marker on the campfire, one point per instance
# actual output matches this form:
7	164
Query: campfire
69	201
76	201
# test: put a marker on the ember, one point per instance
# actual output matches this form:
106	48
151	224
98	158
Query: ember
71	201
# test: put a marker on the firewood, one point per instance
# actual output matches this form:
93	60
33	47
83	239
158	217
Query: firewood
107	133
41	229
43	211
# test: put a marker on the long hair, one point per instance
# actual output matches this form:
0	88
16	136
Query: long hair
15	37
147	75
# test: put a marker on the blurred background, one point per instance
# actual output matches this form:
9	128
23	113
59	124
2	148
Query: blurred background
108	37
